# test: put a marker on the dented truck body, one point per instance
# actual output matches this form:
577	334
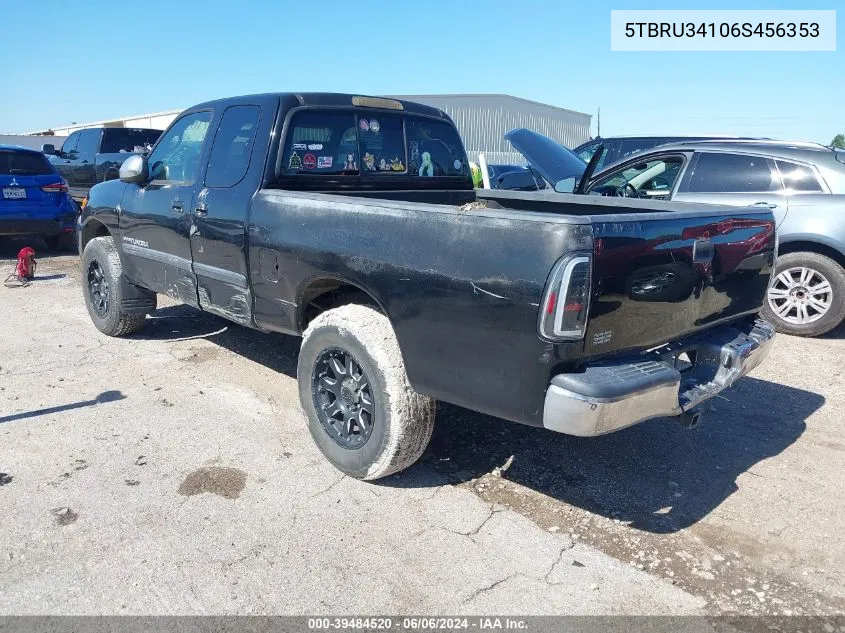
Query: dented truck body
583	315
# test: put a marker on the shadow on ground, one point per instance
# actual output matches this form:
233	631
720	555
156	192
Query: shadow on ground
106	396
11	245
658	475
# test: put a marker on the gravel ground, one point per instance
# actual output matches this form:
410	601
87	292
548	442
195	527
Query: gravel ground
171	472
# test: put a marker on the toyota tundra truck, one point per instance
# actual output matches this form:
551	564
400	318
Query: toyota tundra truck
352	222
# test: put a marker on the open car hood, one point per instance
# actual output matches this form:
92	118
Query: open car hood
553	161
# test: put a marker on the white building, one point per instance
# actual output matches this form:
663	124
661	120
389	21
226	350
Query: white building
155	121
481	119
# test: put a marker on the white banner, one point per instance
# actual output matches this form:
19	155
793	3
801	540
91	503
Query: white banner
709	30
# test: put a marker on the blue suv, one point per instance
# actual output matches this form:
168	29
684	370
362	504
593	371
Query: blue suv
34	198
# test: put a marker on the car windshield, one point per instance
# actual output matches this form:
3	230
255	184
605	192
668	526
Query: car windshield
24	163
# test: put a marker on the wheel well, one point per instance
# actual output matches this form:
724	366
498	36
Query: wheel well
325	294
812	247
91	230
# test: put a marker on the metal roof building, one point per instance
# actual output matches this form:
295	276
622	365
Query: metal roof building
482	120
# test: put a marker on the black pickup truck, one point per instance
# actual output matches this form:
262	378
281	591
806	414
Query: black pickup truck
352	221
94	155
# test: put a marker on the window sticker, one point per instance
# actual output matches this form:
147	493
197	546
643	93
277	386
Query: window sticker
374	126
426	169
295	161
350	164
309	161
364	125
315	147
324	162
300	146
457	164
396	165
369	161
383	166
414	160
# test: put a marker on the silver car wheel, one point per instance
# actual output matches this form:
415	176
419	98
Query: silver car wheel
800	295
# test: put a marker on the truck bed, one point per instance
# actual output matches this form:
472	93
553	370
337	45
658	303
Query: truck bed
462	283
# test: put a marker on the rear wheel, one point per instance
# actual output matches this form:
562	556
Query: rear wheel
807	294
362	412
102	274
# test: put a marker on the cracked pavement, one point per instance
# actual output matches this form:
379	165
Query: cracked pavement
166	474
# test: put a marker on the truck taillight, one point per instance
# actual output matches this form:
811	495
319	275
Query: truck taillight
566	300
55	187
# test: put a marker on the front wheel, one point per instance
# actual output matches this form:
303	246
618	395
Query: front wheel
102	274
362	413
807	294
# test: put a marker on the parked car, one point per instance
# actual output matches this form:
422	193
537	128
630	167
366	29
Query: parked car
96	154
34	198
615	148
352	221
803	184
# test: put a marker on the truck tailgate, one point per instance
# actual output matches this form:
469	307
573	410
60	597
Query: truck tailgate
661	276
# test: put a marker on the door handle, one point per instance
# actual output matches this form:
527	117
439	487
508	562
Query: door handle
67	161
768	205
176	207
201	210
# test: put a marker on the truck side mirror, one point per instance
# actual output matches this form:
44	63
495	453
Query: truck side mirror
134	169
49	148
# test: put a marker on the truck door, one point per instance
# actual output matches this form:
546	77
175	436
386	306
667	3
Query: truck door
735	180
64	162
218	218
155	217
86	156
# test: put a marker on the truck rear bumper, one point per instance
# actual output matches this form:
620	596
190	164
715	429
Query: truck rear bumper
609	396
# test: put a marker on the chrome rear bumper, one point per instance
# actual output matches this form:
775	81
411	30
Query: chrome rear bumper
609	396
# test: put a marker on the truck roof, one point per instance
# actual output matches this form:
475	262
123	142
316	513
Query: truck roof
328	99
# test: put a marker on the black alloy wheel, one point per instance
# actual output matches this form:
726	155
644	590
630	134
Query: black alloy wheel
343	398
98	287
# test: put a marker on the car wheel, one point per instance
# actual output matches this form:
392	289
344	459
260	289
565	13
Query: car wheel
807	294
102	274
362	413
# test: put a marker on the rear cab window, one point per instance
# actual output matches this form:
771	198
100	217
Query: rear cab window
124	140
370	146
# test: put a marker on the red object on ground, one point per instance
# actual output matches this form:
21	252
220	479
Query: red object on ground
25	268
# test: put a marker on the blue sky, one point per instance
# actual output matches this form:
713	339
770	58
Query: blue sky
84	61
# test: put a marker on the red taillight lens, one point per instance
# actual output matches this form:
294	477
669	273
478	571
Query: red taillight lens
567	299
55	187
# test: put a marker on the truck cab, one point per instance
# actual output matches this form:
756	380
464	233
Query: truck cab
94	155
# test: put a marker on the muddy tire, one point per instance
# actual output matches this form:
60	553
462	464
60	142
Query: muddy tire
102	274
362	413
806	296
